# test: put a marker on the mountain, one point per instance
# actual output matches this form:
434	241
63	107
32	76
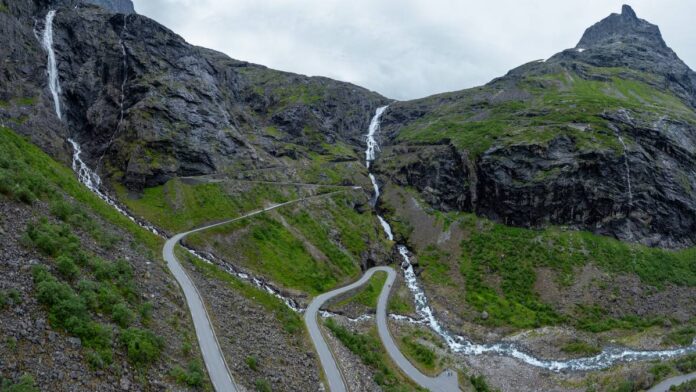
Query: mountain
147	106
545	210
601	137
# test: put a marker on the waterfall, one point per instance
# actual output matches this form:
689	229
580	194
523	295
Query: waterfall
52	68
461	345
372	146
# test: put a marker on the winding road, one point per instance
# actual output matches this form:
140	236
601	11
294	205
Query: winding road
219	372
446	382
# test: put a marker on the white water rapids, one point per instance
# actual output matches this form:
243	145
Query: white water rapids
462	345
457	343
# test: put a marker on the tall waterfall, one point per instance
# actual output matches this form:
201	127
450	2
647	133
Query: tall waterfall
52	67
372	146
462	345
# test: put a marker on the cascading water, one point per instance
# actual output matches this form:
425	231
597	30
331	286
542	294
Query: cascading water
86	175
92	181
372	146
52	67
461	345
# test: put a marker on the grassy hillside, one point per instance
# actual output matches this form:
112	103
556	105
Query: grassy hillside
496	268
540	107
311	246
90	276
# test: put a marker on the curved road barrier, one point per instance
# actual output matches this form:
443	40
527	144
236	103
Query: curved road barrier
446	382
214	359
672	382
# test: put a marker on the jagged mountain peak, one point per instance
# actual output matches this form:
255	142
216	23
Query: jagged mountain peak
620	28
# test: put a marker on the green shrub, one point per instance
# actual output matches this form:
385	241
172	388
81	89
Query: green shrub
122	315
624	386
10	297
66	267
660	371
25	383
580	348
681	337
142	346
263	385
252	362
368	349
480	385
686	364
52	240
192	376
420	353
145	311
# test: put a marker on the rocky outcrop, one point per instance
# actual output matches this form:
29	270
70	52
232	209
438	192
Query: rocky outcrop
185	110
625	167
117	6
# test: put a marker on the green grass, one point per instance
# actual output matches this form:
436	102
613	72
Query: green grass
317	249
369	349
193	376
580	348
291	321
27	173
273	251
555	100
513	254
25	383
689	386
399	305
369	293
480	385
423	356
178	206
104	288
435	270
681	337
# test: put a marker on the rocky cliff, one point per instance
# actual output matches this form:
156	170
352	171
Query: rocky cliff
601	137
148	106
117	6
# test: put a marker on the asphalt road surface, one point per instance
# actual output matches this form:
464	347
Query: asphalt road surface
673	381
214	359
446	382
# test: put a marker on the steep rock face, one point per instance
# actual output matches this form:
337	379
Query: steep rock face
624	40
601	137
147	106
117	6
24	103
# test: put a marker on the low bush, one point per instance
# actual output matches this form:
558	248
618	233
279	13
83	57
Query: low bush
142	346
252	362
578	347
122	315
25	383
192	376
480	385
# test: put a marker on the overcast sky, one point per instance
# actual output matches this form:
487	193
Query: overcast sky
405	49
